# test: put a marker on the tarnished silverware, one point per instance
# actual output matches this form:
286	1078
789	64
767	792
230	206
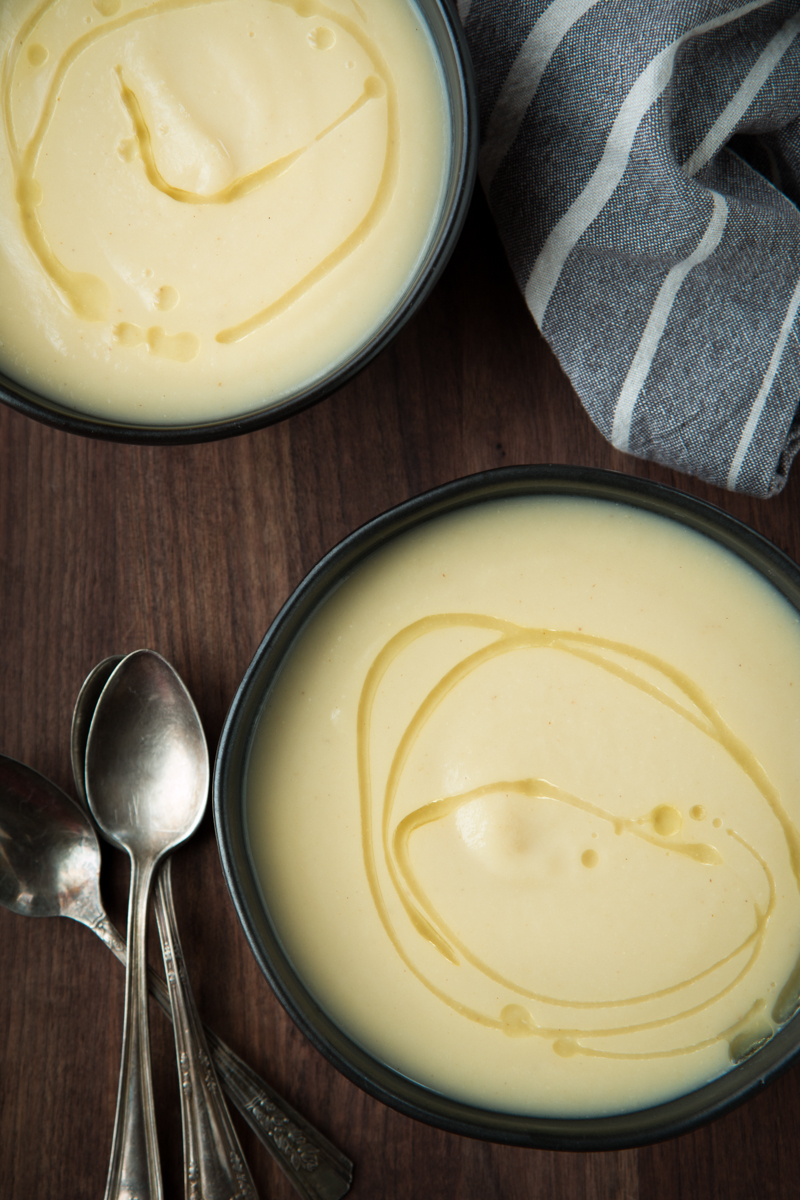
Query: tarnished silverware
214	1164
147	779
316	1169
50	867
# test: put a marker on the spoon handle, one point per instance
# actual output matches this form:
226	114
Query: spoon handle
134	1172
213	1163
316	1169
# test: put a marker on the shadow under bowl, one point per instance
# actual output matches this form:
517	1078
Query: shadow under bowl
454	60
628	1129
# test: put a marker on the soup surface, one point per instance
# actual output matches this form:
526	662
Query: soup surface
523	802
206	204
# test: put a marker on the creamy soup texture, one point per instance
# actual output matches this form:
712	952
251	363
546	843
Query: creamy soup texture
523	802
205	204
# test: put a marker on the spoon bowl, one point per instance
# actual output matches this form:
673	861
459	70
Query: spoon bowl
147	768
82	714
49	854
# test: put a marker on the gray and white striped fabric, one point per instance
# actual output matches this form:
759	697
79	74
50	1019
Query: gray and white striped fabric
660	258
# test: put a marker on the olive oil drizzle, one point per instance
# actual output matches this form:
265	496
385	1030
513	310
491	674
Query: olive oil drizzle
245	183
90	297
383	193
695	707
541	789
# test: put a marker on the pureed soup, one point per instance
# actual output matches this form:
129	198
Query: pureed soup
207	204
523	805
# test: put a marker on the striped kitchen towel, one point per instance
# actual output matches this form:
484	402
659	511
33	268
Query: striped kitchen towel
642	161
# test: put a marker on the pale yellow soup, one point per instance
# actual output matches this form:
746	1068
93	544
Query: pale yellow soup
523	804
206	205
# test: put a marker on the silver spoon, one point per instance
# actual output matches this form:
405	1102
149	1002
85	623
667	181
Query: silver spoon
146	782
49	855
50	867
214	1164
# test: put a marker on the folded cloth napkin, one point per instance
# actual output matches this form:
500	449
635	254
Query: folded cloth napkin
642	162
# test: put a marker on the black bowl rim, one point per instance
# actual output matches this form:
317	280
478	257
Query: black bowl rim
619	1131
464	121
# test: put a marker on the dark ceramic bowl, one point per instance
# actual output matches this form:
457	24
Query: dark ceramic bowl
596	1133
450	45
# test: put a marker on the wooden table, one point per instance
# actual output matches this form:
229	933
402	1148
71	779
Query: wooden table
191	551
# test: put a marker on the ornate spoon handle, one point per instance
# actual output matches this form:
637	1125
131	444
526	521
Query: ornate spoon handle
317	1170
213	1162
134	1172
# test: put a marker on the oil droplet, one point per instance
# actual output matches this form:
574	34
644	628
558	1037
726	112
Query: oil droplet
374	87
717	822
107	8
702	854
128	335
167	298
565	1047
37	54
590	858
179	347
321	38
697	813
517	1021
666	820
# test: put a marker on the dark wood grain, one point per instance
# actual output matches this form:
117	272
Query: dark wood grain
191	551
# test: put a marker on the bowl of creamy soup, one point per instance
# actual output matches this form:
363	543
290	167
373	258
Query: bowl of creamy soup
214	212
508	804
